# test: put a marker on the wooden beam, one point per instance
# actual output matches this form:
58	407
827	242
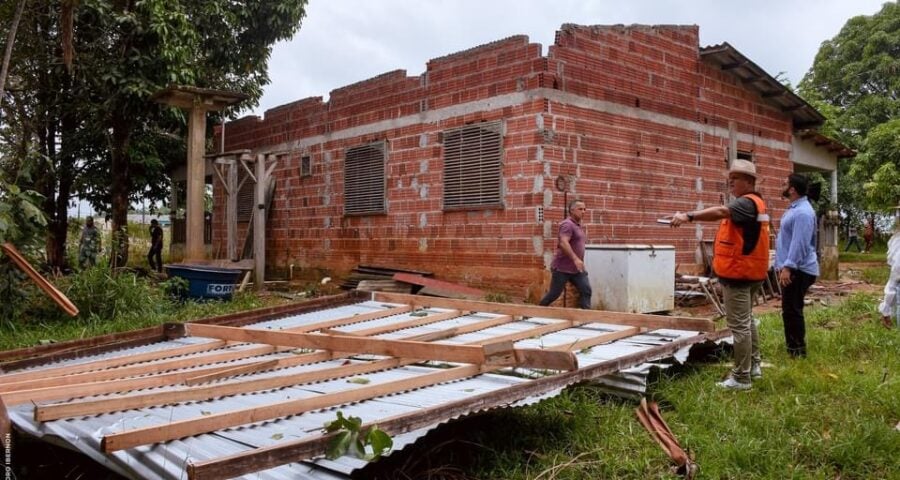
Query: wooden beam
239	370
5	428
214	422
258	459
259	224
581	316
411	323
58	297
103	364
93	407
394	348
189	427
97	388
94	388
142	369
732	66
231	212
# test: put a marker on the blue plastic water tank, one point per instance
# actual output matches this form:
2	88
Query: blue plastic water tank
207	282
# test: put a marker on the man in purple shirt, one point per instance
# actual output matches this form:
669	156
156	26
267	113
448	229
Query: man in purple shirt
568	263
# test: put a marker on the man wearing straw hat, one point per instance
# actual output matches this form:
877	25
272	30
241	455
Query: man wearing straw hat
741	261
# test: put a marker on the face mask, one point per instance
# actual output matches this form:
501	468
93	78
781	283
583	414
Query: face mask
786	193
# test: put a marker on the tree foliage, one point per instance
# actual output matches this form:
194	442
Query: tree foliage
95	124
855	82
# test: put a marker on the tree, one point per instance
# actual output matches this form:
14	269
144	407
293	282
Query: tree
855	82
96	123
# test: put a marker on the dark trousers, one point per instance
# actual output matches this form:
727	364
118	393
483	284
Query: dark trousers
558	284
853	241
155	253
792	312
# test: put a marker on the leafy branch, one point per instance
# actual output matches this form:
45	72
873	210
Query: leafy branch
367	444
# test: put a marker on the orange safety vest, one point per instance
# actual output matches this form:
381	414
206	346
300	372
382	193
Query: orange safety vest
729	261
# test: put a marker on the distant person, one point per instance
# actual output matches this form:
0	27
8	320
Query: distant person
741	261
89	245
154	256
889	308
568	263
869	235
852	239
796	261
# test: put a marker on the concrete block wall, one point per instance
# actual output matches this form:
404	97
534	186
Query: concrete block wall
495	249
647	133
631	113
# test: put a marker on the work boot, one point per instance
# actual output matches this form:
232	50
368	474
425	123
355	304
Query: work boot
731	384
756	371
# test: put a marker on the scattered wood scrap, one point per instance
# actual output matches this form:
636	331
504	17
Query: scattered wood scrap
652	420
384	286
39	279
370	272
440	288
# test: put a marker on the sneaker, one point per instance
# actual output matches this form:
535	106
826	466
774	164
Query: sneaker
756	371
731	384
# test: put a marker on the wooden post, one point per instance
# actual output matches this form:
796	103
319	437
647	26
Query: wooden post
231	209
196	184
259	223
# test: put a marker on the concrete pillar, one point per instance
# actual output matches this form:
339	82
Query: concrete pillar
196	185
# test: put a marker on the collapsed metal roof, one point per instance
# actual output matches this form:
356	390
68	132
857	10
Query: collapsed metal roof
753	77
74	411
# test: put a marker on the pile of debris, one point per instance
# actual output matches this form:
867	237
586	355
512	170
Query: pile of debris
369	278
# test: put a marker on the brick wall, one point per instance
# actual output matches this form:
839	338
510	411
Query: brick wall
631	112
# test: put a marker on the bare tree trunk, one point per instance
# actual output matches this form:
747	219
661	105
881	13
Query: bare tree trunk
119	190
10	40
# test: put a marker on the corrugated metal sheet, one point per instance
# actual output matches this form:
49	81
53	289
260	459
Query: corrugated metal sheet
168	460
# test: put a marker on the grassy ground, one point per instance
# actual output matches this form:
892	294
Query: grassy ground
832	415
24	334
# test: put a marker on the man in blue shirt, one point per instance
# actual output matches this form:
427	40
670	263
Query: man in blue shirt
796	261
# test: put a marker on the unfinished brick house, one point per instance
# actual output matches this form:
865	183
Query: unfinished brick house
460	170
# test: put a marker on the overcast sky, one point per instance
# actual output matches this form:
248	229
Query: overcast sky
345	41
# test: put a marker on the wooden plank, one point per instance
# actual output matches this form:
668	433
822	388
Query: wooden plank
40	354
239	370
126	384
92	388
106	363
259	223
5	428
60	298
92	407
582	316
135	370
393	348
259	459
211	423
411	323
214	422
33	380
95	388
440	287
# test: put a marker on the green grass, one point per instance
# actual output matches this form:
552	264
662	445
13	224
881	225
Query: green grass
107	303
876	275
877	254
831	415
